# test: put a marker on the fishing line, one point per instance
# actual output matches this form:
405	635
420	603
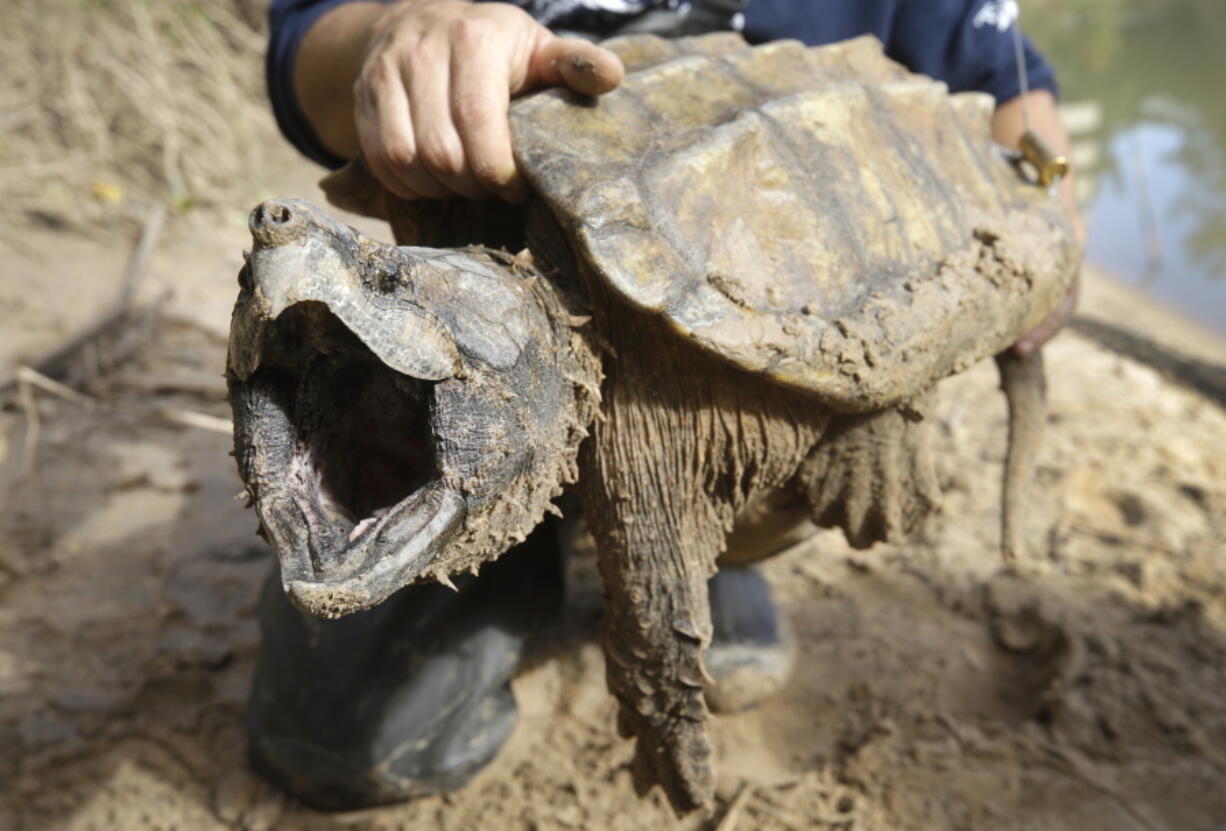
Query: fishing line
1049	166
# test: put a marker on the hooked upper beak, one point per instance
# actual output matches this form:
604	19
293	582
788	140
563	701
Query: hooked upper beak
301	254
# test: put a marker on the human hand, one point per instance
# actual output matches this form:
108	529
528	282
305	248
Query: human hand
432	96
1033	340
1009	122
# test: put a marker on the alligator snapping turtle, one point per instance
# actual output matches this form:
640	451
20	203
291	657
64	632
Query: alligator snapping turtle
747	270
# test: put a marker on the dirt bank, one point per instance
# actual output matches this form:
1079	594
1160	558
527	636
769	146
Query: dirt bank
933	691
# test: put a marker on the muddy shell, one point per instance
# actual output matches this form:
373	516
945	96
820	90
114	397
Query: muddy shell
805	213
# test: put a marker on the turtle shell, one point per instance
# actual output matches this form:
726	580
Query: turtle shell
819	215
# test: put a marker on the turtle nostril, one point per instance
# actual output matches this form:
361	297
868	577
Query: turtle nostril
272	213
277	222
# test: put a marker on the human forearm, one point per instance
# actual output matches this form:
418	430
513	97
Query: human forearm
1008	125
327	65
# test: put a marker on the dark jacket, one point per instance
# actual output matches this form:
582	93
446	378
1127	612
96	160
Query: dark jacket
968	44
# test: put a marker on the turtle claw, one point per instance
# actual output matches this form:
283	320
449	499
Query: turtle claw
676	755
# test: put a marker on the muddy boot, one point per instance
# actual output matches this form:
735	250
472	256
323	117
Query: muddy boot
412	697
752	650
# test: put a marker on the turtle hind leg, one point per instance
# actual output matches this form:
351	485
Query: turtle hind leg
1025	388
872	474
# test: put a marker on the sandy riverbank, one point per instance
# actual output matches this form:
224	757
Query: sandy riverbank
934	690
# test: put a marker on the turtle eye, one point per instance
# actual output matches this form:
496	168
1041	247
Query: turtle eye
387	277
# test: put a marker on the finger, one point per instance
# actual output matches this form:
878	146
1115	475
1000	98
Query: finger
579	64
385	132
439	147
480	99
366	92
1053	323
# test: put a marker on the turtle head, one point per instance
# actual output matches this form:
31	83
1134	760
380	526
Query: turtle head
400	413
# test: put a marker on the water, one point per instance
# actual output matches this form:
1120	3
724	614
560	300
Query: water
1146	79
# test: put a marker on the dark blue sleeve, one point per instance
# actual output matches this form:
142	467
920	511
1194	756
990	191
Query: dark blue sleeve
288	22
968	44
817	23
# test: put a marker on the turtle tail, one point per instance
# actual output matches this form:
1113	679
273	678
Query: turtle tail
1025	388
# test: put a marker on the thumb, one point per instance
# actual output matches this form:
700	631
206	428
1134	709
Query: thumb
579	64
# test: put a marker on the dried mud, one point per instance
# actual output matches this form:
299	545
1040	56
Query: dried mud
933	689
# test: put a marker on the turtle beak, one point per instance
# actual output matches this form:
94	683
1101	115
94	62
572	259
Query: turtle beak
391	554
302	255
333	389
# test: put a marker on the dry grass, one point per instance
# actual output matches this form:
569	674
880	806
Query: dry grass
108	106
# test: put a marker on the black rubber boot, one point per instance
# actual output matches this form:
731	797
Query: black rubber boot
412	697
752	650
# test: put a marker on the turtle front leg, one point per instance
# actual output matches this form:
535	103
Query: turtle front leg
658	541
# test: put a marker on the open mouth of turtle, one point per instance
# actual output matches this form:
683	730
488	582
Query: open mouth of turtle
356	506
363	440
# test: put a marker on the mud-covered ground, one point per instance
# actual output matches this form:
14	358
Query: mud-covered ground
934	690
